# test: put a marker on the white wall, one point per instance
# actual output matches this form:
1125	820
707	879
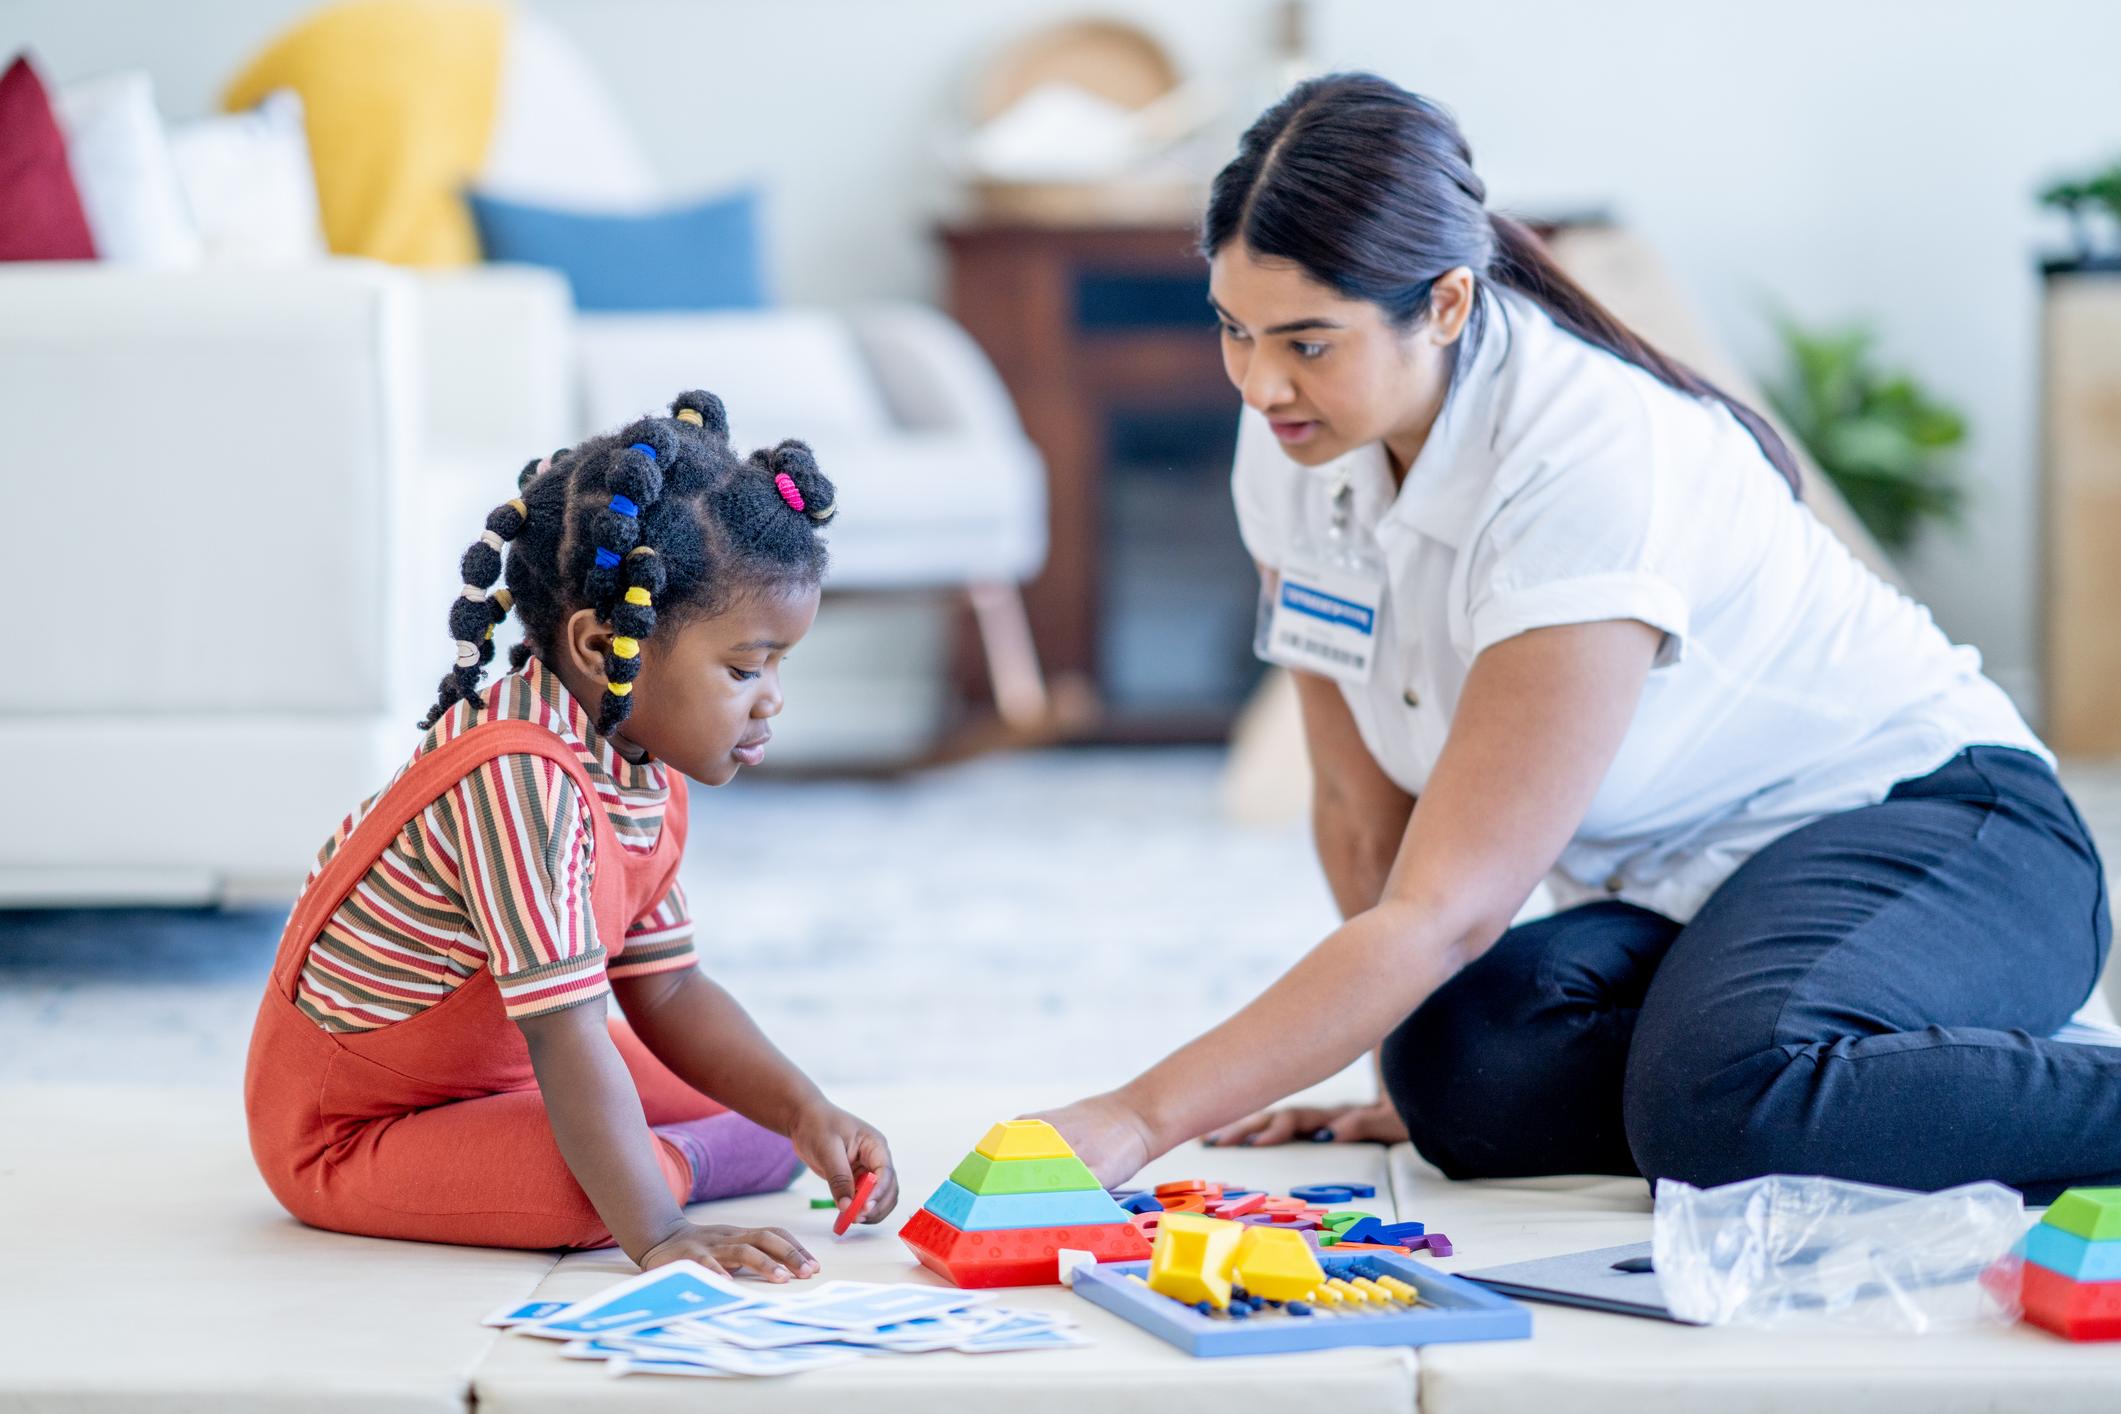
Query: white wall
1840	157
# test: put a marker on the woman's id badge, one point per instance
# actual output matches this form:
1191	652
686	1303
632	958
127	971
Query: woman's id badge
1321	614
1318	621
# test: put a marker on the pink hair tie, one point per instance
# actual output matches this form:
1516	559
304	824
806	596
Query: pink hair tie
785	484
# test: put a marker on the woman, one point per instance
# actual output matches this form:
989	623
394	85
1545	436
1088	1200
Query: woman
1556	609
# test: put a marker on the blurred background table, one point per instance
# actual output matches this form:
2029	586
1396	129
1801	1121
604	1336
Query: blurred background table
1103	335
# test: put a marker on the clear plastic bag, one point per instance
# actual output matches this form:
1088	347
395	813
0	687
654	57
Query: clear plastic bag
1787	1251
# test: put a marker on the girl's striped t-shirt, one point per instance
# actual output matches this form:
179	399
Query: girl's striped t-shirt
495	876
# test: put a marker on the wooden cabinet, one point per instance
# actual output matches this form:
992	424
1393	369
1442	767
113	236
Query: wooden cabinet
2081	491
1087	325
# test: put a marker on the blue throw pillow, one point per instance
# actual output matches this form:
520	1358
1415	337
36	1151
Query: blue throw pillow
704	256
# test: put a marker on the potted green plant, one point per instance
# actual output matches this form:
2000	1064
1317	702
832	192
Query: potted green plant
1883	441
2085	200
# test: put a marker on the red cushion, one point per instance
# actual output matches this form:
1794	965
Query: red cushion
44	216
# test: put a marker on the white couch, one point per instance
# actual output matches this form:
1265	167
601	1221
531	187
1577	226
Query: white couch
233	524
232	503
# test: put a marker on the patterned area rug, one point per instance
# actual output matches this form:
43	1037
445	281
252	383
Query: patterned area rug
1029	917
1026	918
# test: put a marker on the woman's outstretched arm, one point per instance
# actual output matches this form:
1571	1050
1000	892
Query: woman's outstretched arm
1541	719
1358	818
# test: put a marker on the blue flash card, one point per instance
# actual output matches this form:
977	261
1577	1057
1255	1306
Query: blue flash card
525	1313
1024	1332
865	1306
654	1298
639	1365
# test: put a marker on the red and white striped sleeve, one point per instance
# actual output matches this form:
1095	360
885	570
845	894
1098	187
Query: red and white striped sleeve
660	940
526	851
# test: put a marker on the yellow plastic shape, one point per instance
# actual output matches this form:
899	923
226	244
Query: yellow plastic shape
1024	1139
1276	1262
1193	1257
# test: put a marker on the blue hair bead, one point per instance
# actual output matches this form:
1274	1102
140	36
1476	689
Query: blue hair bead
624	506
606	559
643	447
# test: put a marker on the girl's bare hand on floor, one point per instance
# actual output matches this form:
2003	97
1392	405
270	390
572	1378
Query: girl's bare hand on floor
766	1252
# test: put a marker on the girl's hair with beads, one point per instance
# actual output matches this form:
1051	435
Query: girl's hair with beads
659	522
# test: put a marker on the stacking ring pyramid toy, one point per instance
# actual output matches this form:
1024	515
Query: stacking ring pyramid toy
1005	1213
2072	1281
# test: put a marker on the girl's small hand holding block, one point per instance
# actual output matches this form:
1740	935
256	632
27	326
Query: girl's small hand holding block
838	1146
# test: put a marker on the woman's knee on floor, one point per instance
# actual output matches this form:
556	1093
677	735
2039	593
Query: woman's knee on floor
1705	1119
1412	1064
1445	1091
1513	1067
1467	1067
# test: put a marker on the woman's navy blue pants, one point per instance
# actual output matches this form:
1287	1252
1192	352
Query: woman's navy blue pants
1869	998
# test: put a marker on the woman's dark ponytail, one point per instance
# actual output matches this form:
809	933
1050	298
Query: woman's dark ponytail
1521	263
1370	190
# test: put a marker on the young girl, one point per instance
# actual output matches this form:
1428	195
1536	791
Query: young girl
432	1059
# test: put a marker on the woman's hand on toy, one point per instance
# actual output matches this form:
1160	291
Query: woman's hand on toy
768	1252
1105	1133
838	1147
1376	1123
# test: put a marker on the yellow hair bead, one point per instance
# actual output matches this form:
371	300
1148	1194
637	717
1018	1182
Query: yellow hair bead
640	550
691	415
504	599
521	509
638	595
624	647
489	630
618	689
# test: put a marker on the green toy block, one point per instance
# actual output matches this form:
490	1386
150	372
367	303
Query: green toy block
2093	1214
985	1176
1345	1217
